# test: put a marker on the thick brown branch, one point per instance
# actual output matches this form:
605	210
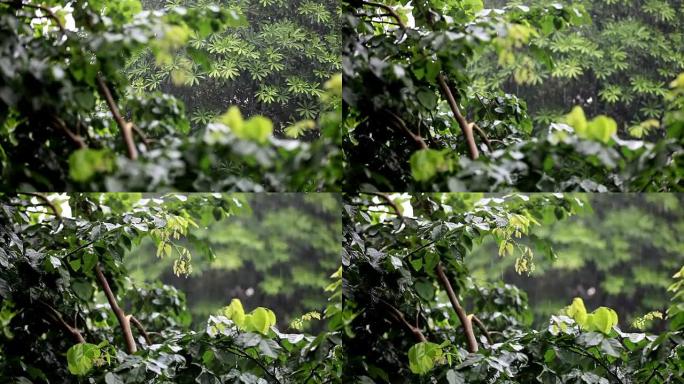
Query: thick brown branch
57	318
466	127
480	325
399	316
389	10
124	321
141	329
125	127
460	312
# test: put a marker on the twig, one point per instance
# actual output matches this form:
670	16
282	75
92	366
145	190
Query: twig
125	127
391	203
480	325
389	10
399	316
483	136
57	317
466	127
77	139
47	202
141	329
402	126
124	321
460	312
47	10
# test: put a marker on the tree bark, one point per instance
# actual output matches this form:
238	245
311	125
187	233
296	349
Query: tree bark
466	127
124	321
466	323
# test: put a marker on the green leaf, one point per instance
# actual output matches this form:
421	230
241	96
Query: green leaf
602	128
113	378
426	163
235	312
427	98
85	163
89	261
81	358
603	320
83	289
260	320
423	357
258	129
577	311
455	377
577	120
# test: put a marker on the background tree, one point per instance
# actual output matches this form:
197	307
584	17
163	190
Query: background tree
275	65
278	253
620	254
619	65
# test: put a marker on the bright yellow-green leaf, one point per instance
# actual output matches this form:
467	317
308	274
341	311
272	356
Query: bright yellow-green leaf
85	163
577	311
260	320
602	128
603	319
235	312
577	120
232	119
258	129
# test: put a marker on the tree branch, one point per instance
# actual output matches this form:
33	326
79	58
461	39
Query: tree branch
460	312
391	203
45	200
402	126
389	10
77	139
399	316
138	325
480	325
124	321
57	317
125	127
466	127
484	137
47	10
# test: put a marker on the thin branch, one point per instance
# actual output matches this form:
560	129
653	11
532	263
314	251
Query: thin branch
466	127
45	200
402	126
57	317
138	325
125	127
124	321
399	316
480	325
460	312
389	10
47	10
484	137
77	139
391	203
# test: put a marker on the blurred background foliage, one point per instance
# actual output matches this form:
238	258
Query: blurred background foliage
275	64
619	64
621	253
278	253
